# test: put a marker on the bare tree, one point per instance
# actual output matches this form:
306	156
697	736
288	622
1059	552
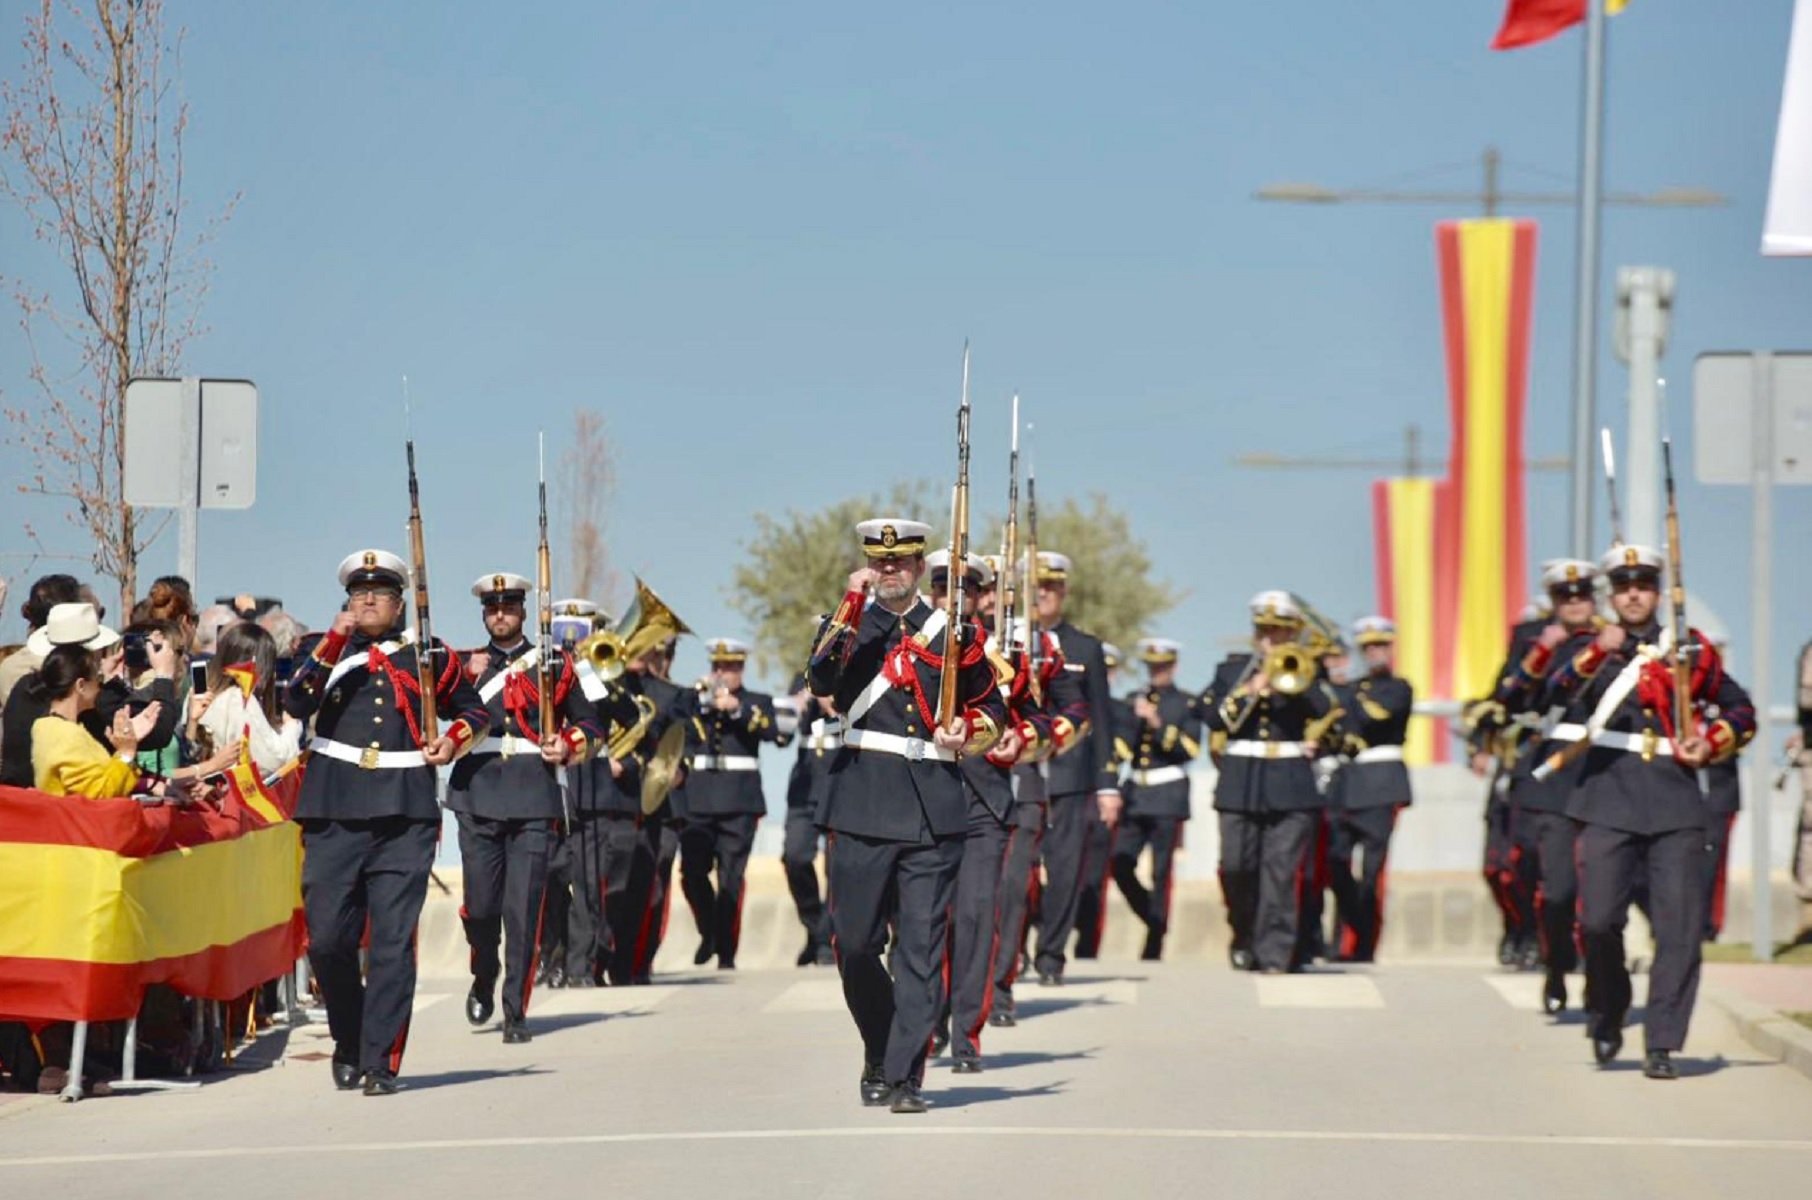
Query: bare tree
584	485
93	137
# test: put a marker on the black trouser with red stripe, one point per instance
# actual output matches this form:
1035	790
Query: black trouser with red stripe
723	841
1064	842
354	872
1359	898
799	859
662	841
1091	891
1163	835
1717	870
1551	835
1016	883
974	941
505	865
1505	873
1263	859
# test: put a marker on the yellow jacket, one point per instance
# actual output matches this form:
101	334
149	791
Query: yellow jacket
67	761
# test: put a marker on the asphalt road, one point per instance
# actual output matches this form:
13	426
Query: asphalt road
1133	1080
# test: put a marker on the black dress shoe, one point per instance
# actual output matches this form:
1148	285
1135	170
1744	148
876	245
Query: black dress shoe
556	977
1659	1064
827	955
940	1042
874	1087
1606	1043
1154	946
1002	1019
906	1099
1241	959
642	980
1554	994
726	964
809	955
481	1002
346	1075
1049	979
381	1083
581	981
516	1032
707	950
967	1066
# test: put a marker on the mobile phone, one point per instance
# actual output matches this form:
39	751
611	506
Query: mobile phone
198	677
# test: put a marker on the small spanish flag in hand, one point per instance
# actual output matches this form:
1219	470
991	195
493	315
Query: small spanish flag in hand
245	674
1527	22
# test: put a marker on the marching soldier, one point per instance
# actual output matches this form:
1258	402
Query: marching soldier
507	795
988	788
723	799
1639	803
660	828
368	811
1272	712
565	923
1373	789
896	802
1098	846
1165	739
1541	831
820	737
1723	787
1080	785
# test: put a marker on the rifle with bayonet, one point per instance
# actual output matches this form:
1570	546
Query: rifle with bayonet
1029	588
544	596
1007	594
418	575
1679	664
1610	484
949	680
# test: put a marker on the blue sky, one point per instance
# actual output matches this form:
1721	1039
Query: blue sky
755	237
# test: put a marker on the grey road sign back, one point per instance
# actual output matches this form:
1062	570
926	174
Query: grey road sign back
1723	425
220	439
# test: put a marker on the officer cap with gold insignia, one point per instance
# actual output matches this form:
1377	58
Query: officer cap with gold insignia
976	569
373	568
727	650
501	588
1110	654
1053	567
1277	609
575	608
1568	577
893	537
1632	564
1158	651
1374	631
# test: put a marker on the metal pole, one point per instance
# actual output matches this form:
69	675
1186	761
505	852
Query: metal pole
1585	300
1643	287
1761	582
189	514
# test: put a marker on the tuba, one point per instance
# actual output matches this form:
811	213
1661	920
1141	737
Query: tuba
647	624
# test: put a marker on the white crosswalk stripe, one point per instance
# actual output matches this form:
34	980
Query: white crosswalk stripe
1317	991
1523	989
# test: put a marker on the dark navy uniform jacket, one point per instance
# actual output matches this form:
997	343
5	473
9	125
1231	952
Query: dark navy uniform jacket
1633	791
1265	784
714	792
1174	744
886	796
1377	714
1088	766
519	786
613	709
374	703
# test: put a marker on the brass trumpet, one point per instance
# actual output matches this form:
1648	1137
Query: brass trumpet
647	624
1290	668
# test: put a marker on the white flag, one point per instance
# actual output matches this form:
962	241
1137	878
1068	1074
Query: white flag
1788	228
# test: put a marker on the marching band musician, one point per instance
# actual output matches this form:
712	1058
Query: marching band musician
660	828
1266	794
368	811
896	802
568	929
988	787
1373	789
1165	739
507	795
1082	784
723	799
820	737
1638	800
1540	829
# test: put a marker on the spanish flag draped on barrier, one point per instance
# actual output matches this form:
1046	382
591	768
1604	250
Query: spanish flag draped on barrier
101	898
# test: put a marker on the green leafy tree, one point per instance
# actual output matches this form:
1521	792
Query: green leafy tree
796	566
1113	591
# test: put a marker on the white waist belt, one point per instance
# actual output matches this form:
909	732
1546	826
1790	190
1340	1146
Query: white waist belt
1245	748
825	742
370	759
507	745
725	762
1569	731
911	749
1635	743
1372	754
1157	775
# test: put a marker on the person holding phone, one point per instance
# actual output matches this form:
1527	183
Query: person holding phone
233	697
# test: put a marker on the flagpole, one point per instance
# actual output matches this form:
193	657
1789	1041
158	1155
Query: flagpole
1585	332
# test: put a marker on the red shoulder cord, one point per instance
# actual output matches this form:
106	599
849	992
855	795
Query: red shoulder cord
1655	686
522	696
899	667
403	684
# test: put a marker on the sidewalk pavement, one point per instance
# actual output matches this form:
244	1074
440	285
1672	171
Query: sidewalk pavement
1758	998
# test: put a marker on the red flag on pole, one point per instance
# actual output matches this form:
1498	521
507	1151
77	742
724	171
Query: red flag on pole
1527	22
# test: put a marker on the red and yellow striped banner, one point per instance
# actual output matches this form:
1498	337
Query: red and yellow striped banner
101	898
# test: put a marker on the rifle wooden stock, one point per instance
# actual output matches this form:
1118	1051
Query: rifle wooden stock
418	571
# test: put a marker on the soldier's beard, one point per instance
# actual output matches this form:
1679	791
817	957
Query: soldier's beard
891	589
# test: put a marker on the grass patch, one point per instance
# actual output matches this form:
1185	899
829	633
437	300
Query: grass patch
1789	953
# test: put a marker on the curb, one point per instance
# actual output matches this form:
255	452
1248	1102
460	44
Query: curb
1772	1033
